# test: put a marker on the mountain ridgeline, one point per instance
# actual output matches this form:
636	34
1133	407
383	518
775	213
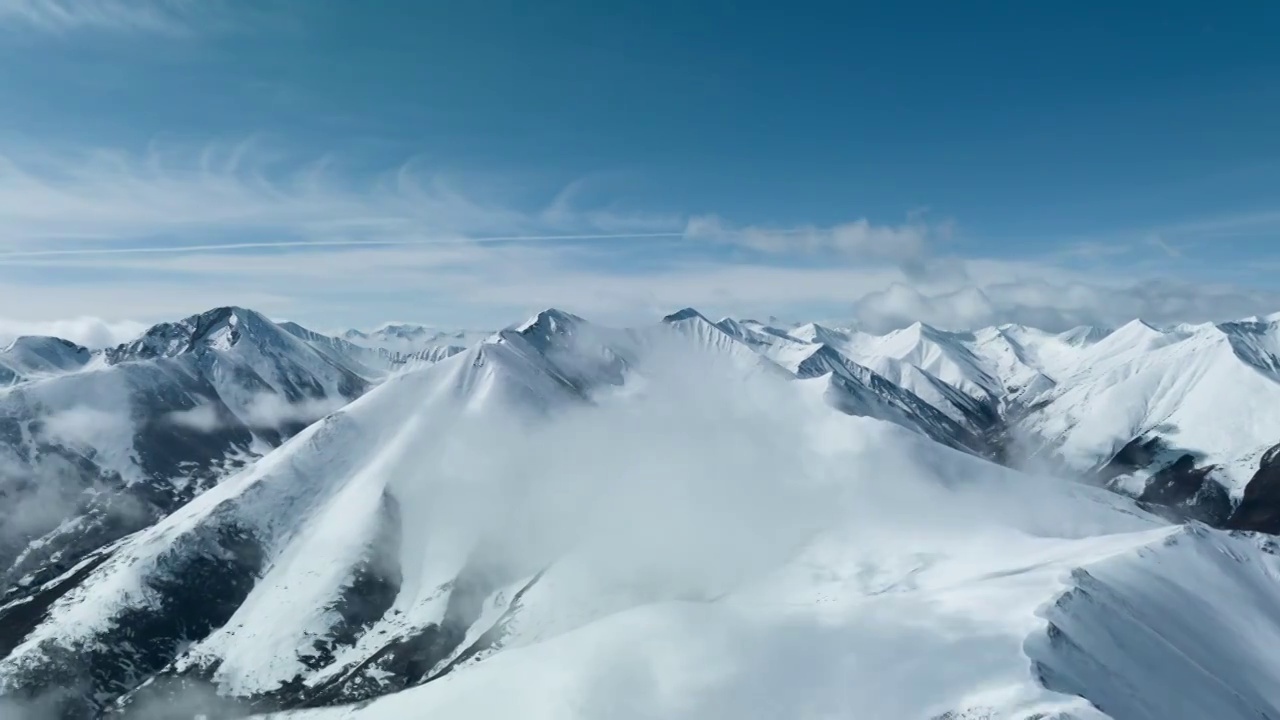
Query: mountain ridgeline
161	501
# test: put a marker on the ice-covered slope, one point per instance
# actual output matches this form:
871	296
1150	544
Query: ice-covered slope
34	357
565	521
976	415
1179	415
957	634
1030	362
852	388
952	594
183	578
714	341
245	354
89	456
756	334
372	363
407	339
1004	369
1013	356
944	355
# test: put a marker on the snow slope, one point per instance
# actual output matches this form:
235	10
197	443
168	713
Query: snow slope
1179	416
90	454
1210	393
852	388
245	526
951	593
930	636
31	357
689	519
1002	368
372	363
408	339
944	355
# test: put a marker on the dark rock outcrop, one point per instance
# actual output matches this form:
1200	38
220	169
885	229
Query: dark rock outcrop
1259	509
1190	492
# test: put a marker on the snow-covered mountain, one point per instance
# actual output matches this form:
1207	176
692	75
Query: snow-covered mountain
373	362
409	339
29	358
688	519
96	446
1182	416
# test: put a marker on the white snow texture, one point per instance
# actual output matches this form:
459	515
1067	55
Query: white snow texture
687	526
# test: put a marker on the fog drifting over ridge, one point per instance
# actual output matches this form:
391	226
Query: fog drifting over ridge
698	481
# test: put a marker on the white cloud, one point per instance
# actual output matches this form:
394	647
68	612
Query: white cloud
201	418
1059	306
111	195
489	286
88	331
273	410
858	238
81	425
266	410
315	242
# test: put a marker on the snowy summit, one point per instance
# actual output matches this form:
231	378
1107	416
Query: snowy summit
1011	522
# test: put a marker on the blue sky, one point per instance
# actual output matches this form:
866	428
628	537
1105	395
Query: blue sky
345	163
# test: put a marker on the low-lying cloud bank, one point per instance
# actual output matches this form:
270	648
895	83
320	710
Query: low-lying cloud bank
91	332
1058	306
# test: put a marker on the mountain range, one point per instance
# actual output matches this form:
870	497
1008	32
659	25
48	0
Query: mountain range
691	518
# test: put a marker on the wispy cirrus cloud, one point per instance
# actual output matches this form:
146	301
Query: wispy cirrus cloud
145	16
114	195
482	285
1171	240
177	229
251	196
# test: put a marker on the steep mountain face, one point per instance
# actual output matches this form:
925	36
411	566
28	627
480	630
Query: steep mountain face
946	356
406	339
853	388
371	363
108	445
1180	417
931	364
565	521
200	569
30	358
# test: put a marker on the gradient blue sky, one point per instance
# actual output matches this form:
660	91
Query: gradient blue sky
960	163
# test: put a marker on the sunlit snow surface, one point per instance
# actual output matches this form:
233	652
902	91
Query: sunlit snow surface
683	529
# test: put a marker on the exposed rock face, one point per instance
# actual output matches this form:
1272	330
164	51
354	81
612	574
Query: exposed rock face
1189	492
202	581
1180	489
1259	509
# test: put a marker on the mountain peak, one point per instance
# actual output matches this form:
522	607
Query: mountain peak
923	331
223	327
1138	325
41	354
220	328
684	314
40	343
1083	335
411	332
551	317
542	329
814	332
